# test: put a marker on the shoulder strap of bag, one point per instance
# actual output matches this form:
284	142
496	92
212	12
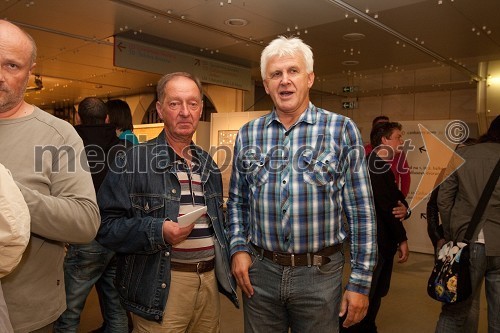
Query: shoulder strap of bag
483	201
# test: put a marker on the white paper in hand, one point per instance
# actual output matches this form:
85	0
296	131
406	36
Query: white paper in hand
191	216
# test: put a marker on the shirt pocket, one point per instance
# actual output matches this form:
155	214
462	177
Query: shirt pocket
148	204
321	170
257	173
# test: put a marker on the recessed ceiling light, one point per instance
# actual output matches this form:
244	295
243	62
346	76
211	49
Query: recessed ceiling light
353	36
236	22
350	62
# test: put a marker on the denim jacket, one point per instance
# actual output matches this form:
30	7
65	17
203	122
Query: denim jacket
139	193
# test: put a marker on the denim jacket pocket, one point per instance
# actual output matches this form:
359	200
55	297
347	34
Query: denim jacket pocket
147	204
320	170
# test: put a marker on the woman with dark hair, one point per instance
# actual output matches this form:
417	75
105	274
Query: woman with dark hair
120	116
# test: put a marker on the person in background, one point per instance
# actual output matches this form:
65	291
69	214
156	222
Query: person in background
120	117
391	208
457	199
399	164
92	264
295	172
14	235
434	227
436	235
47	160
167	274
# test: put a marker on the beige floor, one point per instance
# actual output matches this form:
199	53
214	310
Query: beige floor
407	308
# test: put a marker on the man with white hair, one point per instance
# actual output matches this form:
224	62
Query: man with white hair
296	171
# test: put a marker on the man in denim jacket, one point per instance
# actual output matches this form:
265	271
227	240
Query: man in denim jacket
168	275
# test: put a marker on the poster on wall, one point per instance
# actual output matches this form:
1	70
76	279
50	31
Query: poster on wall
429	147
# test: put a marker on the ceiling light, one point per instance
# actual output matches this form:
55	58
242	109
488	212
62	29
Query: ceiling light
350	62
353	36
236	22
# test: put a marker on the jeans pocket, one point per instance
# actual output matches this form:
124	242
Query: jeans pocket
86	265
336	264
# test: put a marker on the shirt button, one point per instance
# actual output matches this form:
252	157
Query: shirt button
174	191
284	211
284	182
167	254
163	285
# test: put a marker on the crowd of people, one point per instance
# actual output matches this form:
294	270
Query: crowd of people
87	206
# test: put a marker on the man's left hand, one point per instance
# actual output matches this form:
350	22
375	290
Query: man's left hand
356	306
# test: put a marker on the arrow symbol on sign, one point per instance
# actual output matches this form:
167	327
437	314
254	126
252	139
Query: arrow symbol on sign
423	216
422	149
120	46
440	157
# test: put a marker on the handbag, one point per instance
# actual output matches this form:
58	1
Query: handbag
450	278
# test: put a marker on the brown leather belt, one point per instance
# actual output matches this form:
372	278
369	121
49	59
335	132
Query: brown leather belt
199	267
306	259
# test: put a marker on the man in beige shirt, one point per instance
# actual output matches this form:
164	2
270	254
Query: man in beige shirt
47	160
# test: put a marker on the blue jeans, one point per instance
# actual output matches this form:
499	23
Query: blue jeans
305	299
456	318
87	265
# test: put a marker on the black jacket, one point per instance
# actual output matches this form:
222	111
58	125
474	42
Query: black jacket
101	146
390	230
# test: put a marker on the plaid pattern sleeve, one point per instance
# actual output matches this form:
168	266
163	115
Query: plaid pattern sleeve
359	209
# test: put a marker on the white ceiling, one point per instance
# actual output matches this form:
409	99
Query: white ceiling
75	40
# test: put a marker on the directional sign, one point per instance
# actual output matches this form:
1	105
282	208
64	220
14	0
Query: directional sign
155	59
349	89
349	105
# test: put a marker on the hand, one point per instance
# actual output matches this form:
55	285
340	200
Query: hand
240	263
400	211
172	234
356	305
440	243
403	252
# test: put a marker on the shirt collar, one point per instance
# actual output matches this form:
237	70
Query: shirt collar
309	116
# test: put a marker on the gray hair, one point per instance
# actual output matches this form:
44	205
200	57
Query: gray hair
160	88
290	46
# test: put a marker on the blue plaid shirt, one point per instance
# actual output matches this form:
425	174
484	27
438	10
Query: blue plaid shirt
290	188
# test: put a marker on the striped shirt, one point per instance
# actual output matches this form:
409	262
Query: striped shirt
290	189
199	246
